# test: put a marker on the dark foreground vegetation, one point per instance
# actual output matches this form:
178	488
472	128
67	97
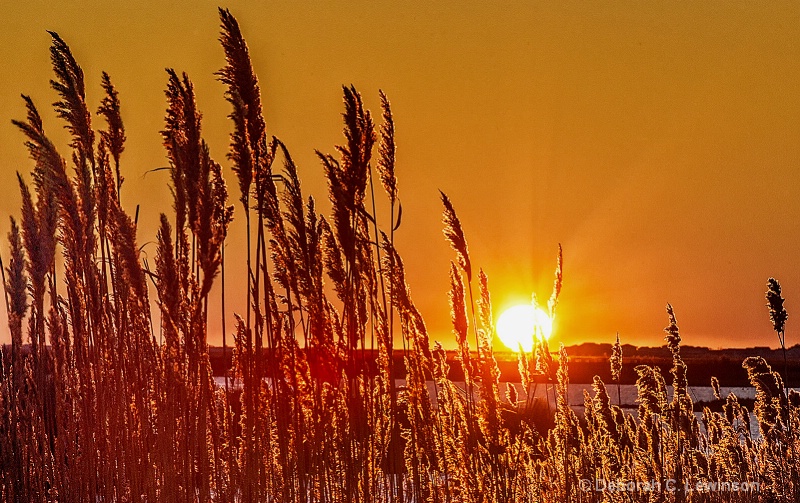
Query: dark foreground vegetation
99	410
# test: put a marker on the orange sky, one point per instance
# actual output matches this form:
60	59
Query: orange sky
658	142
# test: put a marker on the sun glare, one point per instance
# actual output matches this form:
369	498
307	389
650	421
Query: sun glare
518	325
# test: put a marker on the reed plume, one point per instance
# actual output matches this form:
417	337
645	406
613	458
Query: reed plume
388	151
15	287
455	236
557	282
114	137
616	367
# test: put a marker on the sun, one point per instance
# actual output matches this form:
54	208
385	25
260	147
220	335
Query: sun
518	325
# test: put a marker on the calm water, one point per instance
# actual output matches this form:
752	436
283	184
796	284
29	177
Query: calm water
627	393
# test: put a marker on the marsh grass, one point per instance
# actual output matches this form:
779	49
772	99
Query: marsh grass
94	408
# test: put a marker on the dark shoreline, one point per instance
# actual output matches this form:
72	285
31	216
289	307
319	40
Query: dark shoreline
585	361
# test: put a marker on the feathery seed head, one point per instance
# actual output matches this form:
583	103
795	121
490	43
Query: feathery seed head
16	283
777	313
114	136
553	301
388	150
616	360
70	86
673	336
248	148
485	302
455	236
715	387
458	309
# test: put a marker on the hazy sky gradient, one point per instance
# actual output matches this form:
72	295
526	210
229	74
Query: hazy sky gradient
658	142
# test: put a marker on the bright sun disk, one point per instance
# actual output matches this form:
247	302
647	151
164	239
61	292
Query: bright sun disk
518	325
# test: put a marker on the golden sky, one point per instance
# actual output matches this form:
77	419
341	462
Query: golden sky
659	142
